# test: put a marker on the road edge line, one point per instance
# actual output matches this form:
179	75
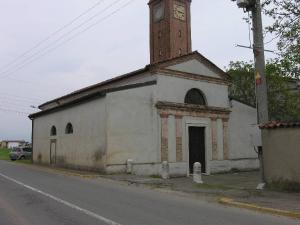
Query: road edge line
279	212
73	206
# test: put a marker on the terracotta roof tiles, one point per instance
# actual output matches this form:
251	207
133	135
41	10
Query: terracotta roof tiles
279	124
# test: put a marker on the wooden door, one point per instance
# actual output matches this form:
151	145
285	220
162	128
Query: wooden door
197	147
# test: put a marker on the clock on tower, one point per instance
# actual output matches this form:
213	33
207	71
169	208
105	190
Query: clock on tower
170	29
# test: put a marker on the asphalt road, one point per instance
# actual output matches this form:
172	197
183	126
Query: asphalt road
30	196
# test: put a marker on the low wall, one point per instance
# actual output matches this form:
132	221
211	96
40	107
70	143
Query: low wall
239	164
181	169
148	169
281	154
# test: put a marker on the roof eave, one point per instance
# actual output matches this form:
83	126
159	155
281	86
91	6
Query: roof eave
118	78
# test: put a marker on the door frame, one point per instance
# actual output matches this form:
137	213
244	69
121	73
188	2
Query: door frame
189	150
208	145
51	142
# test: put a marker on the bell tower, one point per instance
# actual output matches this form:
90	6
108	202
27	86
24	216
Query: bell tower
170	29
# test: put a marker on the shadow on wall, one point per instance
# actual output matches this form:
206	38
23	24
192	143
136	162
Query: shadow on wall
39	158
98	155
94	163
60	160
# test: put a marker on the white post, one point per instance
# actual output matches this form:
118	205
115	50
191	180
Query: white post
129	166
197	174
165	170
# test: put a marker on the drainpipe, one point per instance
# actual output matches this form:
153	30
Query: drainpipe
32	127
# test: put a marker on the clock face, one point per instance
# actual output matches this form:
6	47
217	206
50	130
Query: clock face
158	12
179	12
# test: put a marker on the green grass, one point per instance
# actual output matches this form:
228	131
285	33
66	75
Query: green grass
4	154
284	185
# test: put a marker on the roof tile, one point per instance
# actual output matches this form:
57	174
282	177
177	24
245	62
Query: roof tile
279	124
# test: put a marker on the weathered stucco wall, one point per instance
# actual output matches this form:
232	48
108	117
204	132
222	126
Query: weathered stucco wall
85	148
244	132
195	67
125	124
174	89
282	154
132	130
242	128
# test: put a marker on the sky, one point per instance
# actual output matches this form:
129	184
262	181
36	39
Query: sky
51	48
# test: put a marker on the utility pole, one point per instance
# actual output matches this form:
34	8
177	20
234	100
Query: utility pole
259	57
260	67
260	70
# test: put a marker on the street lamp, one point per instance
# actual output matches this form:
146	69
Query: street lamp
245	4
260	69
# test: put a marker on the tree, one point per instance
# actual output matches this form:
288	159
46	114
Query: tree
243	82
284	100
286	27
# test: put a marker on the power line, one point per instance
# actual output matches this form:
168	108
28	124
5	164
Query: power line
68	40
30	82
14	111
27	104
51	35
63	36
15	104
21	97
25	101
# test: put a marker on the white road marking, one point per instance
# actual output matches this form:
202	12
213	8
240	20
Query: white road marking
85	211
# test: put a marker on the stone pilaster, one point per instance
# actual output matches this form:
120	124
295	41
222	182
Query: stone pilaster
179	156
225	139
164	137
214	138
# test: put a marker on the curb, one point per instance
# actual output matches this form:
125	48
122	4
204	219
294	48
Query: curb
279	212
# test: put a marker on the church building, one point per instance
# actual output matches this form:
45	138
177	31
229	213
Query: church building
175	109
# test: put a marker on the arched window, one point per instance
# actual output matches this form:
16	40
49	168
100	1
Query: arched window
53	131
69	128
195	96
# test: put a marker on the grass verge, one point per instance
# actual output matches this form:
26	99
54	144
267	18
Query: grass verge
284	185
4	154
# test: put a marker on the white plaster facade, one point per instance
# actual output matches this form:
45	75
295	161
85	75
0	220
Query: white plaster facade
143	116
13	144
85	148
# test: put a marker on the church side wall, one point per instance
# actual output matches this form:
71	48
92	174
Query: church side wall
244	134
85	148
132	131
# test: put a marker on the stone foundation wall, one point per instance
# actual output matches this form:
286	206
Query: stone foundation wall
239	164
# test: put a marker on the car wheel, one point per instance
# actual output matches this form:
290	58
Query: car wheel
22	157
12	159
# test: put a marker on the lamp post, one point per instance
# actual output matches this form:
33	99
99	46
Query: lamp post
254	6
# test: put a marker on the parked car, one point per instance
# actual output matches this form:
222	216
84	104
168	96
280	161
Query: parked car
20	153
